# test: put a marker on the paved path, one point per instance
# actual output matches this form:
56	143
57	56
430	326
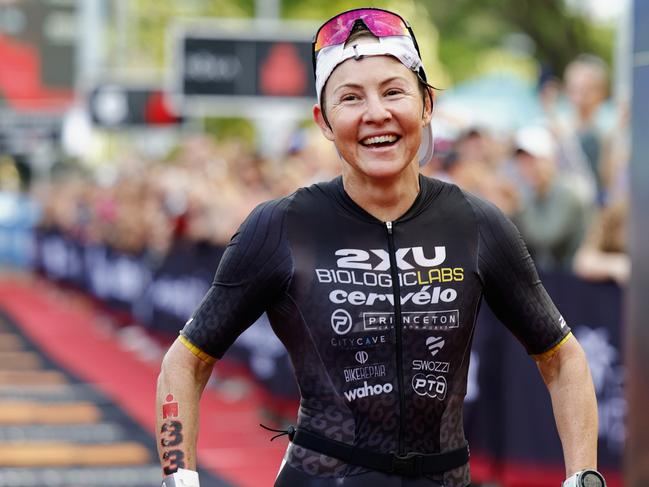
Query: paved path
77	406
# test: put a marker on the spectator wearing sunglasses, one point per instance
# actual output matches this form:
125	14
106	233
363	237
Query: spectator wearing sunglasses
373	281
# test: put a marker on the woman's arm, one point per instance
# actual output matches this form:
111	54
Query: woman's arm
180	384
567	377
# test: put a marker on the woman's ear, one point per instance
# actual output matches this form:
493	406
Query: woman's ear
428	105
319	119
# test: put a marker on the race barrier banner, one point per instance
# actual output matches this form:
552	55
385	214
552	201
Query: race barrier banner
508	415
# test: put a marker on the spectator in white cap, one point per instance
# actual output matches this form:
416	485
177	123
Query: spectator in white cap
552	218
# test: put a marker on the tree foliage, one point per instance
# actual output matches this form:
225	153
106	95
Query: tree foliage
469	27
149	20
455	36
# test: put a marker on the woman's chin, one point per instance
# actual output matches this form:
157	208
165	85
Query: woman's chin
382	171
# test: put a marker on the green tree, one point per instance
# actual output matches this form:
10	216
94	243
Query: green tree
149	20
455	36
470	27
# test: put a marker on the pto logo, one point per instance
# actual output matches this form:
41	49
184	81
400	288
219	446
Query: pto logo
341	322
429	385
434	344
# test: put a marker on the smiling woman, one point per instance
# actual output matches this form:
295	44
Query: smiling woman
373	281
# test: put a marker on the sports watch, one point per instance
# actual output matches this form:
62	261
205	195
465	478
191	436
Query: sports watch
182	478
585	478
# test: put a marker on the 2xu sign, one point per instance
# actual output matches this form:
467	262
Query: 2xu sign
219	65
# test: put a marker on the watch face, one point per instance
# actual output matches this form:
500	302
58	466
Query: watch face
592	479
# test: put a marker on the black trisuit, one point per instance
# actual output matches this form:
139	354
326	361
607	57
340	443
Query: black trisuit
377	317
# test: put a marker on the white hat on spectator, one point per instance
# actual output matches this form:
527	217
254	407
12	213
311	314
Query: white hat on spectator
536	141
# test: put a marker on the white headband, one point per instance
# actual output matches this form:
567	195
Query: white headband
400	47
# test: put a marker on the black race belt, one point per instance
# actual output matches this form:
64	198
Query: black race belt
409	465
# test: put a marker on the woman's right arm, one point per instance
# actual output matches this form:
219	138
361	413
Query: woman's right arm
182	378
254	270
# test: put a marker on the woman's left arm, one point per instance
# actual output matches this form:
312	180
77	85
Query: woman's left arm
567	377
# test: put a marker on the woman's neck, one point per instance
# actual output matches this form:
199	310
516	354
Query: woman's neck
385	199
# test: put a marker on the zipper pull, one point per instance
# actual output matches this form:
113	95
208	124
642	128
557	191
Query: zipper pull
389	227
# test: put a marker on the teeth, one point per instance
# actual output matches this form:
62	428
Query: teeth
379	139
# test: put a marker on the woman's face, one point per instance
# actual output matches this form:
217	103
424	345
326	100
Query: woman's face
375	112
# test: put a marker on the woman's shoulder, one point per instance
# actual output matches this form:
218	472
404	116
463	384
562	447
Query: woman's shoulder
462	200
316	195
450	193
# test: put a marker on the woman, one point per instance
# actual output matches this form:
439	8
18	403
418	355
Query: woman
372	281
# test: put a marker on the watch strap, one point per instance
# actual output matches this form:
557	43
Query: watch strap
571	481
181	478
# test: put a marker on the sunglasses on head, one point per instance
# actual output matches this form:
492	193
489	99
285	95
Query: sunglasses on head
381	23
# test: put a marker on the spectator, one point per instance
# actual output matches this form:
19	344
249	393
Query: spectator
603	257
471	165
586	85
616	155
572	161
553	218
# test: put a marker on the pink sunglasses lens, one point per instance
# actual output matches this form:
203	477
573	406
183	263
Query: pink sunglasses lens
380	23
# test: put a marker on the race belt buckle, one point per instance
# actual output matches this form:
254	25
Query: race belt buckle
407	465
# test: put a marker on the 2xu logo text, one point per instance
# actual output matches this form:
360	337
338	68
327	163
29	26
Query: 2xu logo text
360	259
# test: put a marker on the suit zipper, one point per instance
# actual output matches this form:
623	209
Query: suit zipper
398	329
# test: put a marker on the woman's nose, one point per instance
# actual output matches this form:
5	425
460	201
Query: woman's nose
375	110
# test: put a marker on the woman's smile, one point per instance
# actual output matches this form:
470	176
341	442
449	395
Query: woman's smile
380	141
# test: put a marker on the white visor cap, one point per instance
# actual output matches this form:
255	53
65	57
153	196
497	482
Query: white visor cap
537	141
400	47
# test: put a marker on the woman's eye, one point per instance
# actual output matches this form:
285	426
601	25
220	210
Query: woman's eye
349	97
393	92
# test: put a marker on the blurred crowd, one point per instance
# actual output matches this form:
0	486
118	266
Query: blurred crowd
562	179
201	193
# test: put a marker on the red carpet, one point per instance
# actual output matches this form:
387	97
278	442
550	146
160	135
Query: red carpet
231	444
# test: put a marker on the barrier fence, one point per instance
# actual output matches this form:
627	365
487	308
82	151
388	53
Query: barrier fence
508	416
